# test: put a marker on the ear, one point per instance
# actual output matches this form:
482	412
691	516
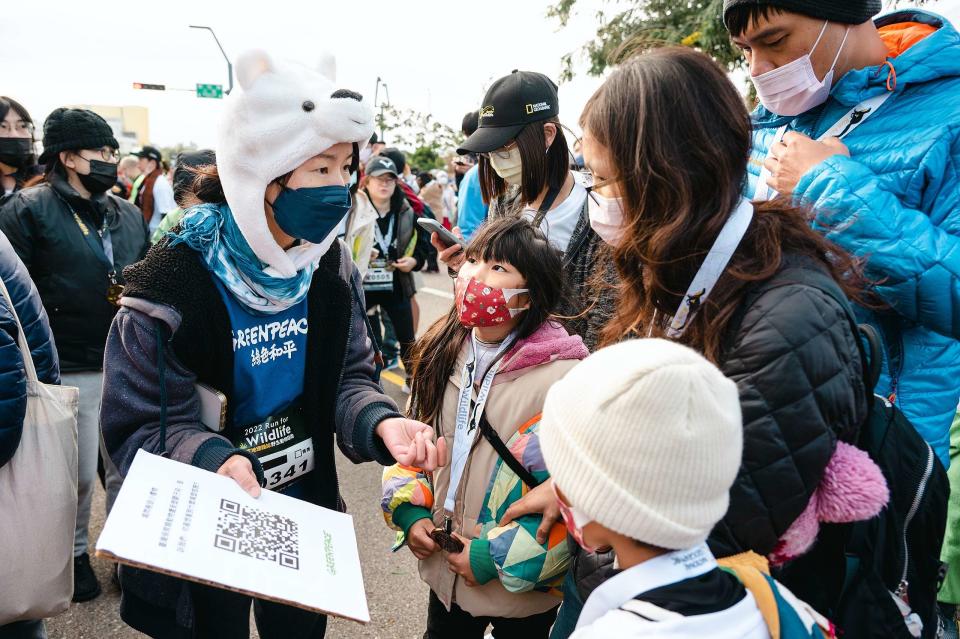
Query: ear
550	133
251	65
66	159
327	66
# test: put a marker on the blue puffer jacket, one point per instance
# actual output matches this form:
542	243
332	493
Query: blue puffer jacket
13	378
896	202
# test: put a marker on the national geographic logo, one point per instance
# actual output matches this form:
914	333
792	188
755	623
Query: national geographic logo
486	112
536	108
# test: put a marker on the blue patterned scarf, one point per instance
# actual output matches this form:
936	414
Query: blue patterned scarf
210	230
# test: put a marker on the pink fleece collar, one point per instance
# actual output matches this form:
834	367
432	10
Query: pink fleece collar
548	343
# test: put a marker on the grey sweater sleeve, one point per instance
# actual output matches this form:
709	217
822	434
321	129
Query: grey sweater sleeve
130	408
361	402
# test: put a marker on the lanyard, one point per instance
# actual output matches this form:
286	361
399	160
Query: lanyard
548	201
712	268
384	242
841	128
102	249
467	420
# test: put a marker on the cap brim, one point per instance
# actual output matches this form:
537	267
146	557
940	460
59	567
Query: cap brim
489	138
377	172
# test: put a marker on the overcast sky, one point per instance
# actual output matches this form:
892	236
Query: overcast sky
436	56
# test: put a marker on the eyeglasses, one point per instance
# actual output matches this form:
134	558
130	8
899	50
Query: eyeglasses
20	126
502	154
590	183
107	154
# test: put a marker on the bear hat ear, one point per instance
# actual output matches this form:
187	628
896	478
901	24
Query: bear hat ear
251	65
327	66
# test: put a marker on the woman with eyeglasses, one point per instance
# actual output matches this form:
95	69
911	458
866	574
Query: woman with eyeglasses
75	239
17	157
399	248
525	171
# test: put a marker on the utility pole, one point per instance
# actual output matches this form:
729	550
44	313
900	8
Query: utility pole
376	95
229	64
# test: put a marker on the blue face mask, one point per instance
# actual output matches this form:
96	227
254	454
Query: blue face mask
311	214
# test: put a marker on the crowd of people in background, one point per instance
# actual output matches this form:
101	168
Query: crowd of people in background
698	377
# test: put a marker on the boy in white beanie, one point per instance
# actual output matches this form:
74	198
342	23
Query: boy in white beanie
643	441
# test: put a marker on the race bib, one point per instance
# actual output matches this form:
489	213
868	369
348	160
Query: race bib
378	277
283	445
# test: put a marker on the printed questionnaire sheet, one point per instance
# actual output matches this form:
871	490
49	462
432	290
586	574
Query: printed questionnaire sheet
180	520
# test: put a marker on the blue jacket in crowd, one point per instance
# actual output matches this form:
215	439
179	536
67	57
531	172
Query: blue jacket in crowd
471	211
13	377
896	202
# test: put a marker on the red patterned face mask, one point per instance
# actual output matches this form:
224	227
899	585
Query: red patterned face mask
482	305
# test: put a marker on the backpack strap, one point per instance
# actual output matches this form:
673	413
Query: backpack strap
512	462
756	582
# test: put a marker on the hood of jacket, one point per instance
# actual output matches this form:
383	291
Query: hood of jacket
549	343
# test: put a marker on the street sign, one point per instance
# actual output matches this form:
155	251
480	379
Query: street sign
151	87
210	91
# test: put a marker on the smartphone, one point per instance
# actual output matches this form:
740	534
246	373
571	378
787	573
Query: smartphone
213	408
447	238
446	541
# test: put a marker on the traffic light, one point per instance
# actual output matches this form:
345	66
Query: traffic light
151	87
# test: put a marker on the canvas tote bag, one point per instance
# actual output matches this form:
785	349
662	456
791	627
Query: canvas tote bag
38	500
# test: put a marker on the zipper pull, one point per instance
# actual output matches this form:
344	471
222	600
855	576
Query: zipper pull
447	525
901	591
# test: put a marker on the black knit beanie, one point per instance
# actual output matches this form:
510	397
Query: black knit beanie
843	11
75	129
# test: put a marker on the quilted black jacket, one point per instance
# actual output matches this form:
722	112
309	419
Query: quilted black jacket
792	352
795	360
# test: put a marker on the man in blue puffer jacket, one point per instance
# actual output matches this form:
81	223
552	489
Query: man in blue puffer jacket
13	377
885	187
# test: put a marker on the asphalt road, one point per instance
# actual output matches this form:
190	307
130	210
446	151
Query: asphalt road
395	594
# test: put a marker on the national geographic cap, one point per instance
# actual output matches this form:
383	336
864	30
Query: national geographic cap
511	103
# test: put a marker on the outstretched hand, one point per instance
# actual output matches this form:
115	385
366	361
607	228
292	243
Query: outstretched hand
412	443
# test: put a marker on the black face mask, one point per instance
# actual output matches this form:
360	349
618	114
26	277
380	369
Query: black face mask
102	176
17	152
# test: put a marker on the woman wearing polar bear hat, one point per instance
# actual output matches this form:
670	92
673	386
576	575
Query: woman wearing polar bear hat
256	298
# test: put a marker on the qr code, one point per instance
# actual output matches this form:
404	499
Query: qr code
255	533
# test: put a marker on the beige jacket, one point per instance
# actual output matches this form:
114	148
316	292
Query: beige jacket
359	237
515	398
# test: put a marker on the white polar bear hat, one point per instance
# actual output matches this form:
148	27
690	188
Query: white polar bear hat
285	114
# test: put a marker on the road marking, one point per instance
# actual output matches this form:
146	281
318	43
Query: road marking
393	378
437	292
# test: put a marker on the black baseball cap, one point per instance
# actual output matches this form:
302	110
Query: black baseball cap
151	153
380	165
511	103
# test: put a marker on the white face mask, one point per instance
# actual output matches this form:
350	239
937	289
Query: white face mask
794	88
606	217
511	168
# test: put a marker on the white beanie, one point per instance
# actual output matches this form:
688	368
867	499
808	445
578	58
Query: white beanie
645	438
285	114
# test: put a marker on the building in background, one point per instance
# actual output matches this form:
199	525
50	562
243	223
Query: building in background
130	124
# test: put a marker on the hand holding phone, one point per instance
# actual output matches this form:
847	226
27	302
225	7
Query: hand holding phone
447	238
446	541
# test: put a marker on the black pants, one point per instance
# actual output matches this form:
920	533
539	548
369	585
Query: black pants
222	614
458	624
398	307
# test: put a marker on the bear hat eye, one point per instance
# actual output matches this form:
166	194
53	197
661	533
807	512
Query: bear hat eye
308	105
